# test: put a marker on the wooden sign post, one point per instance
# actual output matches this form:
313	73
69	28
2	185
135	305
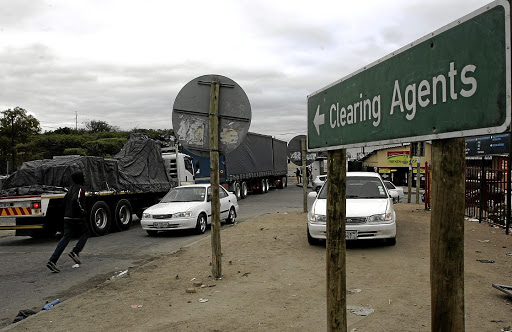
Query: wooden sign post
198	112
336	244
447	235
305	178
214	178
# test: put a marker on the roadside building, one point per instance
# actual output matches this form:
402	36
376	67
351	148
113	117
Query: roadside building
392	163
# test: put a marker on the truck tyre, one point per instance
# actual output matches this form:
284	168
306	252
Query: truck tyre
238	191
282	183
285	179
122	215
244	189
262	186
100	218
201	224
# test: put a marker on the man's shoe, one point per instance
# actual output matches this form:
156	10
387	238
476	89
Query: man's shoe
51	265
74	256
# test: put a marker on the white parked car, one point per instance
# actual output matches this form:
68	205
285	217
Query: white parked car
188	207
318	182
392	188
370	213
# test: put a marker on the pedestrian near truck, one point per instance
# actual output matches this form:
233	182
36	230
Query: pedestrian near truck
74	222
297	174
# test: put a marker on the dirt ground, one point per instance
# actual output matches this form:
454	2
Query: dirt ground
273	280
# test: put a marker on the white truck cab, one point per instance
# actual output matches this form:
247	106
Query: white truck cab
179	166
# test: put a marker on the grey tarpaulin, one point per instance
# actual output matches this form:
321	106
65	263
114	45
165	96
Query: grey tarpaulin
280	156
254	155
141	166
137	167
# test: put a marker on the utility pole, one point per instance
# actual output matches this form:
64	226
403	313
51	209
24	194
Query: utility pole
12	143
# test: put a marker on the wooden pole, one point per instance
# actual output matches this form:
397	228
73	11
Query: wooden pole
447	235
418	175
409	176
304	177
509	187
336	244
214	176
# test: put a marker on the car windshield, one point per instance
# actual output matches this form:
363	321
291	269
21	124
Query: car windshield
195	194
360	187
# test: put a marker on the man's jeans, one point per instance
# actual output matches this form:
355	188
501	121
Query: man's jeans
71	227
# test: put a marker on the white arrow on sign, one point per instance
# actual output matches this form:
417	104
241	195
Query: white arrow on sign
318	120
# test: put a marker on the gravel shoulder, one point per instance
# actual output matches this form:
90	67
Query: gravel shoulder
273	280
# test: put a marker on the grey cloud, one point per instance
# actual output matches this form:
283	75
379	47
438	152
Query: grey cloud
17	13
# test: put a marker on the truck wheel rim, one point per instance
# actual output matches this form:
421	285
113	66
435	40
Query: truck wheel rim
100	218
124	216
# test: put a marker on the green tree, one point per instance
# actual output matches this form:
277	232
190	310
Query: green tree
98	126
16	127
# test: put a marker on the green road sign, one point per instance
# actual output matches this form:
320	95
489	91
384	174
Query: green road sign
454	82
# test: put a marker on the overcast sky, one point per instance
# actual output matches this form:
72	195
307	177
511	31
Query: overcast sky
124	62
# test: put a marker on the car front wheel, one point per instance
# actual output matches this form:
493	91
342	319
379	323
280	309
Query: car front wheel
201	224
232	216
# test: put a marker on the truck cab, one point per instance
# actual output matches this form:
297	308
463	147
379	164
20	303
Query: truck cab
179	166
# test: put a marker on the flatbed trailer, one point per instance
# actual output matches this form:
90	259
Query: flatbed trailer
116	188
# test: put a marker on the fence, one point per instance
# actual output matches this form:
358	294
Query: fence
486	195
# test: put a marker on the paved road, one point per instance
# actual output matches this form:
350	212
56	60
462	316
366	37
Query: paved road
26	283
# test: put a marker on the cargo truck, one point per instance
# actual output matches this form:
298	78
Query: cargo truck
259	163
116	188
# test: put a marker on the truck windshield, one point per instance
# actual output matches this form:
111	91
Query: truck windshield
196	194
360	187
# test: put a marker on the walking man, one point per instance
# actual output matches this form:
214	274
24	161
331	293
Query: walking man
74	222
297	174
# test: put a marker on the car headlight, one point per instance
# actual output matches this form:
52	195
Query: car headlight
146	216
386	218
182	214
318	218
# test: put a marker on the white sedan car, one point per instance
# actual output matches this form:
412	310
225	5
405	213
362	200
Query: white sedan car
399	190
318	182
188	207
370	213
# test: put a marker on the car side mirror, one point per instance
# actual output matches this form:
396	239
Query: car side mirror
312	194
393	194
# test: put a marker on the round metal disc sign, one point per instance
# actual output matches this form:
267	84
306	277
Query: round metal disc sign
295	151
191	110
